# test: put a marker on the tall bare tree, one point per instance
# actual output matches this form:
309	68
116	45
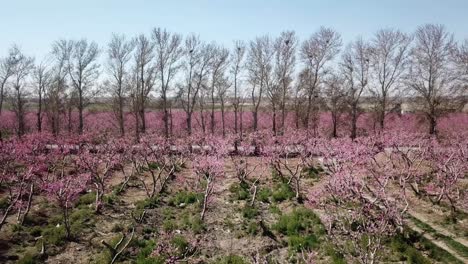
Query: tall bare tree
22	69
42	79
335	96
218	66
119	52
6	71
55	93
198	59
432	74
237	58
260	72
169	51
83	70
285	59
317	52
355	69
144	79
390	50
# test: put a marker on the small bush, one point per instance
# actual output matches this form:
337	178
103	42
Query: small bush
300	243
240	191
264	195
28	258
253	228
149	203
86	199
169	225
55	235
184	198
282	192
249	212
36	231
180	243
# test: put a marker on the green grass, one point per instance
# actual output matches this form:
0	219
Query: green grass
184	198
302	228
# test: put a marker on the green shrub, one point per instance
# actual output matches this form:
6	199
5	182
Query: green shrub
249	212
282	192
253	228
240	191
87	199
169	225
28	258
264	195
55	235
185	198
300	243
180	243
149	203
36	231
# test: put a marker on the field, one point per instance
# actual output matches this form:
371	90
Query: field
394	196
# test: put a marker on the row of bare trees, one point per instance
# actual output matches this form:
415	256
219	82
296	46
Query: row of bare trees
282	74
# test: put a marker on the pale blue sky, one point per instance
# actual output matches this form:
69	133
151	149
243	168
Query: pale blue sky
35	24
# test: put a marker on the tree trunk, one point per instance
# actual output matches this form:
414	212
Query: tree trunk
121	116
80	113
432	125
274	120
354	123
255	119
335	125
382	112
166	118
222	119
39	113
189	123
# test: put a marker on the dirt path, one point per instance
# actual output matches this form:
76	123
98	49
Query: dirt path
437	242
423	218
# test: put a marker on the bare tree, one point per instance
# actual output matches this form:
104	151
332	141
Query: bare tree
298	101
285	58
222	87
390	50
6	71
83	71
168	55
355	69
218	66
316	52
260	68
55	93
432	75
237	58
42	78
145	73
197	63
21	70
119	54
335	96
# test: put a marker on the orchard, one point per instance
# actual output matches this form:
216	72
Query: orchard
277	151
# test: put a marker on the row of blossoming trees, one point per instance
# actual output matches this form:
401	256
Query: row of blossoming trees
282	74
365	193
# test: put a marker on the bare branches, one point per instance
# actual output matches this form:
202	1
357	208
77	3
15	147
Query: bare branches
168	55
355	70
389	60
83	71
260	68
119	55
431	75
316	52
